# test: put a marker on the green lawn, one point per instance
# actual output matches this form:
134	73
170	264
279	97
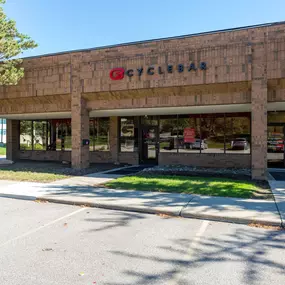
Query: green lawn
2	150
31	176
190	185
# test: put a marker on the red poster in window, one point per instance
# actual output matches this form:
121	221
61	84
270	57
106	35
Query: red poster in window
189	135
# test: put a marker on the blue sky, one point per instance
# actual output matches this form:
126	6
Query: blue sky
60	25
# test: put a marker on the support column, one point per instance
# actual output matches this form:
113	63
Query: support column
259	129
12	139
114	139
79	118
259	110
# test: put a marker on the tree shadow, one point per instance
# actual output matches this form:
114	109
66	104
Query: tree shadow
100	195
251	248
115	220
104	195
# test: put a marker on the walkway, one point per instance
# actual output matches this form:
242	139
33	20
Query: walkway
4	161
87	190
278	190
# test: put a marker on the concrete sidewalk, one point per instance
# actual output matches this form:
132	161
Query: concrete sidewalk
4	161
278	190
181	205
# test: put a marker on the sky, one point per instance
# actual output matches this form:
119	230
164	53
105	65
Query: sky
62	25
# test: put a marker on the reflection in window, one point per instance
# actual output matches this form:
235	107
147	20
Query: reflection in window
276	117
61	135
40	135
168	140
189	133
212	133
149	120
67	143
58	136
238	134
92	134
129	134
99	130
26	135
45	135
102	126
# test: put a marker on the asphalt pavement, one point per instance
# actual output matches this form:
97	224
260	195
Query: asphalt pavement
45	243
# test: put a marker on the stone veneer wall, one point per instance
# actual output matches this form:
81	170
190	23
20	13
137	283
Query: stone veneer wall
45	155
206	160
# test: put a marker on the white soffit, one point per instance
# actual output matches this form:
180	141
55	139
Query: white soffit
172	110
276	106
144	111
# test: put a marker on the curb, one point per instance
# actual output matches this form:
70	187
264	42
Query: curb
110	207
19	197
276	203
245	221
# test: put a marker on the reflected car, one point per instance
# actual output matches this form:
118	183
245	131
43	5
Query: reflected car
240	143
275	144
198	144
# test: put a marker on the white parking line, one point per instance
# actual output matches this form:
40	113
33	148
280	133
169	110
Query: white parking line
193	245
42	227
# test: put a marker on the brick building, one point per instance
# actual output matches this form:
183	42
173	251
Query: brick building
212	99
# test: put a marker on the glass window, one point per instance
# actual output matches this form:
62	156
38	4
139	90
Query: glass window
40	135
92	134
66	136
102	127
149	120
26	134
276	117
212	133
129	134
46	135
58	138
60	135
99	130
189	133
275	146
168	140
238	133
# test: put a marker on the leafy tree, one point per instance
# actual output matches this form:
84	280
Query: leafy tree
12	43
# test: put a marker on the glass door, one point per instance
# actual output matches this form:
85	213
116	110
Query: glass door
275	146
149	146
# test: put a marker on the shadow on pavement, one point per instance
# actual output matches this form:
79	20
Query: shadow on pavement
115	220
246	246
154	198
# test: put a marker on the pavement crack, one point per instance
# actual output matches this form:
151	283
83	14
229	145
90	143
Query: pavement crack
185	206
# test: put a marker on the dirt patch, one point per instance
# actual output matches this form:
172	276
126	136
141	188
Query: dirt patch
267	227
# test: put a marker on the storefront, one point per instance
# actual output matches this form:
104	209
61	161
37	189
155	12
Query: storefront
147	136
211	100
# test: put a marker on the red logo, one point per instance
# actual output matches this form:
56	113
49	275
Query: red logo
117	73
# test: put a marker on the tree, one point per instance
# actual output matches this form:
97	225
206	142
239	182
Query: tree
12	43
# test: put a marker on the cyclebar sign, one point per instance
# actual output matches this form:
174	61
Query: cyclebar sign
119	73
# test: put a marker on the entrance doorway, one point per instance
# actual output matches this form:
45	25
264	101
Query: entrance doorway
149	144
275	146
